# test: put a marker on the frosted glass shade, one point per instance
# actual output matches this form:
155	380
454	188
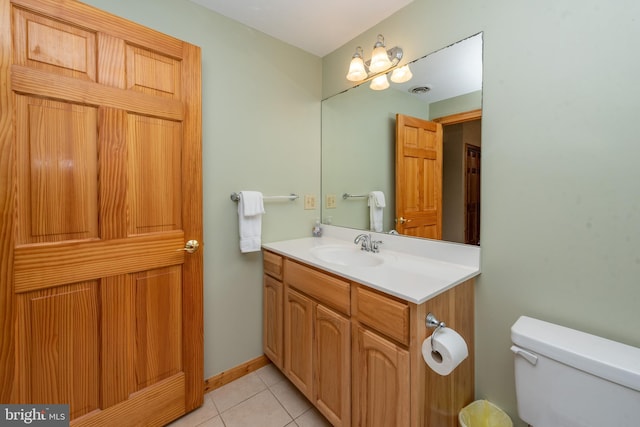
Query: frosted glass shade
379	60
401	75
356	70
379	83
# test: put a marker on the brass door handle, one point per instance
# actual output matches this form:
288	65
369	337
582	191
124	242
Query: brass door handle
191	246
403	220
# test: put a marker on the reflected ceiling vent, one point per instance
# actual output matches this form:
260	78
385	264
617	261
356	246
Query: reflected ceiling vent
420	90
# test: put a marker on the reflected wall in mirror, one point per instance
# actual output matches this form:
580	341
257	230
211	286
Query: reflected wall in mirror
359	142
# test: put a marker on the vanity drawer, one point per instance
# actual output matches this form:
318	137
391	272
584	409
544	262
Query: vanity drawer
384	314
328	290
272	264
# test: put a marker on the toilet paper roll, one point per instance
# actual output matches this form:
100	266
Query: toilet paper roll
449	350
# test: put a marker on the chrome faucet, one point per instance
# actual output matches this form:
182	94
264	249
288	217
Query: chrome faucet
367	243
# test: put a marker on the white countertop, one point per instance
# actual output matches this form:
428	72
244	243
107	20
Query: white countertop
414	270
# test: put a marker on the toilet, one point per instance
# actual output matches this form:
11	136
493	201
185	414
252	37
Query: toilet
568	378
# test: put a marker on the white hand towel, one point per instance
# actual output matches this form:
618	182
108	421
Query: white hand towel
376	204
250	210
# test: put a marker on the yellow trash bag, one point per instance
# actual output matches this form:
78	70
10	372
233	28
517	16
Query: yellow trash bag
483	413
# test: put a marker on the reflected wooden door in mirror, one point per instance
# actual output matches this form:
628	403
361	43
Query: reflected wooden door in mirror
418	177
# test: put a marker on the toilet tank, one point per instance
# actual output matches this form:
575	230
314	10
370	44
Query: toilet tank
568	378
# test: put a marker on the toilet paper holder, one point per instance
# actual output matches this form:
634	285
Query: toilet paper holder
432	322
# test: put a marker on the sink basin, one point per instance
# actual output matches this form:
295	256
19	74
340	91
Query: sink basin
344	255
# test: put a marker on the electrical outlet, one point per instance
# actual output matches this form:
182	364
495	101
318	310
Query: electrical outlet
330	202
309	201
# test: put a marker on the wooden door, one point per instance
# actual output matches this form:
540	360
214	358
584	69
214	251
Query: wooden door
472	195
332	366
418	177
100	188
381	388
298	341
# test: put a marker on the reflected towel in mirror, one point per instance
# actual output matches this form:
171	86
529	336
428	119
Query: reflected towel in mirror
376	204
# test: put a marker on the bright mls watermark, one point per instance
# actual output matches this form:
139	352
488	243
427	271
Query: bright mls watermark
34	415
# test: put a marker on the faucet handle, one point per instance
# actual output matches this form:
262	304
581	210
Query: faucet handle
375	245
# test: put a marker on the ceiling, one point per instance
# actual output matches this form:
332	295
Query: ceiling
316	26
454	71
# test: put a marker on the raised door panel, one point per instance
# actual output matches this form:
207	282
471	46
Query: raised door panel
58	340
54	46
381	388
158	330
298	341
332	366
273	322
57	169
152	73
155	174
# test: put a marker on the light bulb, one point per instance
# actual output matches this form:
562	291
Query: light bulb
401	75
379	60
379	83
356	70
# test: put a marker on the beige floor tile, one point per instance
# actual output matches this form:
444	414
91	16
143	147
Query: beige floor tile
213	422
270	374
262	410
237	391
293	401
312	418
198	416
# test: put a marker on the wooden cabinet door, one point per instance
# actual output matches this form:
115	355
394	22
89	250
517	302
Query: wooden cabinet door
298	341
100	188
381	386
418	177
273	322
332	366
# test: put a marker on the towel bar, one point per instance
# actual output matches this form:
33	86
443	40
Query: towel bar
236	197
351	196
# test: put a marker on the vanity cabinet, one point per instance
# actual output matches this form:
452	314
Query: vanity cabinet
273	309
355	352
317	339
381	365
380	381
298	333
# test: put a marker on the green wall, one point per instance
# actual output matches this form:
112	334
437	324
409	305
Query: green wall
560	194
560	213
261	131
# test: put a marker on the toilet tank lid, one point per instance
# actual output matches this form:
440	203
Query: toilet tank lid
611	360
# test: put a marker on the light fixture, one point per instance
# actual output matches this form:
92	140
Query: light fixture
382	61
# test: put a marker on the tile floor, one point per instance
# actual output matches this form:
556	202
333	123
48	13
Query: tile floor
263	398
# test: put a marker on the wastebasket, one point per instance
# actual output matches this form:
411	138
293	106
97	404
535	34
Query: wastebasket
483	413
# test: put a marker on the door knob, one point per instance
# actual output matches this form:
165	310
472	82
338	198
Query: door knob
191	246
403	220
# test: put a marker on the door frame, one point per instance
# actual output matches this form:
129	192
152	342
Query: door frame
457	118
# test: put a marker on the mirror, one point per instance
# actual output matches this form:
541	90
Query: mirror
358	137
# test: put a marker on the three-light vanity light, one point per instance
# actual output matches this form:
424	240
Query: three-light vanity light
376	69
